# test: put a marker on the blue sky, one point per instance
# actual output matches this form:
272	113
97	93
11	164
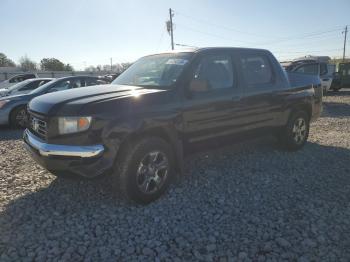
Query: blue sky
89	32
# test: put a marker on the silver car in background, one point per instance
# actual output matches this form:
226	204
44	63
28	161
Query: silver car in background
24	87
13	107
17	79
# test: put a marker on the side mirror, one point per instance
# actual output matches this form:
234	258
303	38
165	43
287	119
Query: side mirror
197	85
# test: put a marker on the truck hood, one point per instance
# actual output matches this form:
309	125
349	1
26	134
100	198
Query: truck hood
71	102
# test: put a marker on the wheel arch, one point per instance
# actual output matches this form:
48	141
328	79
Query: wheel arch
13	109
307	108
166	133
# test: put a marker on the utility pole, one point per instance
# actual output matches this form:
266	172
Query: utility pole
111	63
345	33
171	14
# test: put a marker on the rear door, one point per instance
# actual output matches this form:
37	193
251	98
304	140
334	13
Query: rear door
211	112
264	89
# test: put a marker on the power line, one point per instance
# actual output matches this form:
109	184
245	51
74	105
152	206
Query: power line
306	42
305	52
258	35
210	34
300	37
220	26
225	38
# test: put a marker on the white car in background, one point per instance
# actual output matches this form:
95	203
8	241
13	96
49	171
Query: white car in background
16	79
24	87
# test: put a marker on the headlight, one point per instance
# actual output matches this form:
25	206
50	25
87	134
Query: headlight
67	125
3	103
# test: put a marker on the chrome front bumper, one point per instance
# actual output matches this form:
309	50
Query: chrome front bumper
45	149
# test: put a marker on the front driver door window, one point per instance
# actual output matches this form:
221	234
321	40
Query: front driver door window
216	71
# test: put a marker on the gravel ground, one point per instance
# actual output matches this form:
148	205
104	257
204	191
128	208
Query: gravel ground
247	202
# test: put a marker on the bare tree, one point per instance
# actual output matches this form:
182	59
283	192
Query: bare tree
27	64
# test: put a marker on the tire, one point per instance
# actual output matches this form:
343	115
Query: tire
18	117
144	170
295	134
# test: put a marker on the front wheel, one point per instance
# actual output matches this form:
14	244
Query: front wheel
18	117
145	170
296	132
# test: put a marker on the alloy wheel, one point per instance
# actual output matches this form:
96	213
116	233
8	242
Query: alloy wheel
152	172
299	130
20	118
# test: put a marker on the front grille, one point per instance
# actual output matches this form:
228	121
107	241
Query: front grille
38	126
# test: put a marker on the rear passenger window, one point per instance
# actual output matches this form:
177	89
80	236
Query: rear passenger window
256	70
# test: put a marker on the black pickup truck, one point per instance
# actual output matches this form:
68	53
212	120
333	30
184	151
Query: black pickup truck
140	127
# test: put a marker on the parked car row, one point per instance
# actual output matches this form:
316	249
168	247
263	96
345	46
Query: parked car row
140	127
314	65
15	98
24	87
16	79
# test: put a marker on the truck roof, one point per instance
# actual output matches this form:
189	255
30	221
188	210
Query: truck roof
324	59
203	49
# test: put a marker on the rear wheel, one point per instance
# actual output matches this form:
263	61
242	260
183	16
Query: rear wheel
145	170
18	117
296	132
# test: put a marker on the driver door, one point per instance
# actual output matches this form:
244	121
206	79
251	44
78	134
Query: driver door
212	110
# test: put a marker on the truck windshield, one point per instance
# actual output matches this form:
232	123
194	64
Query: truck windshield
161	70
